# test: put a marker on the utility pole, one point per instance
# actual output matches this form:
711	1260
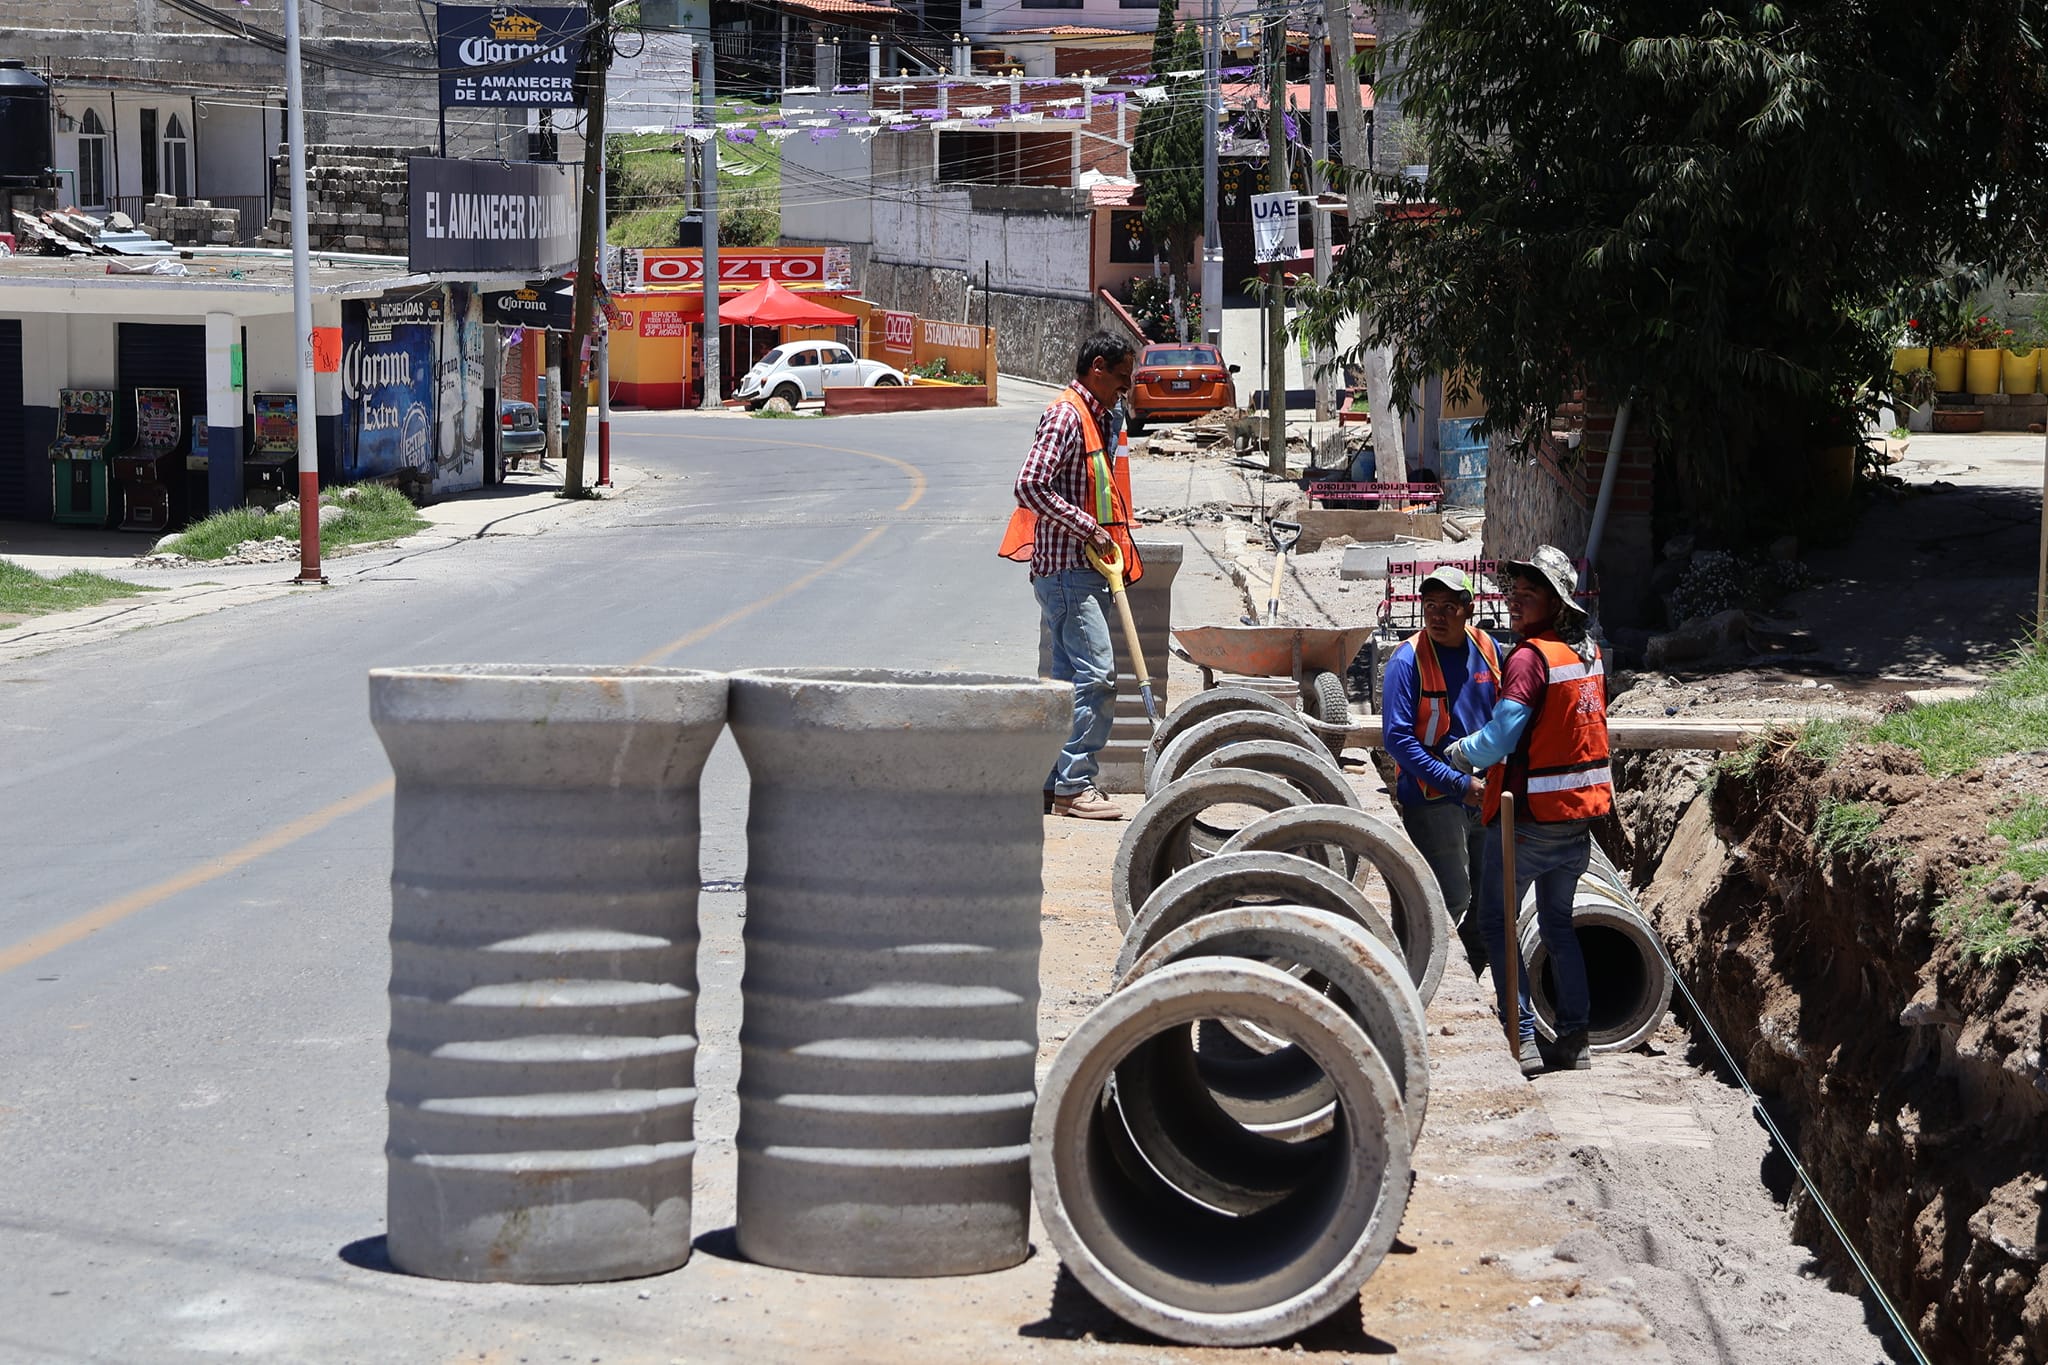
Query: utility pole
1212	231
1319	144
709	163
302	305
597	58
1390	459
604	336
1276	290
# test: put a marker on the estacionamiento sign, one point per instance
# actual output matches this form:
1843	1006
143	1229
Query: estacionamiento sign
492	217
522	58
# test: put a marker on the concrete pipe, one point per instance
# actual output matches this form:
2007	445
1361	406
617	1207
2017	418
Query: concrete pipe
1282	1093
1172	1261
1312	770
1233	727
890	998
1234	879
543	967
1211	702
1421	924
1156	844
1628	982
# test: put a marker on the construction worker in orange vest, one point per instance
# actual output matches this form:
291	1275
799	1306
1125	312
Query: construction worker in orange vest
1067	505
1439	687
1547	744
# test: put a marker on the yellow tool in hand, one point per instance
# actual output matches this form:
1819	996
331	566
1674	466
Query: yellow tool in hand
1112	569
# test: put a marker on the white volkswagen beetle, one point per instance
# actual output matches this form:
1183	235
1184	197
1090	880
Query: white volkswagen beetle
797	370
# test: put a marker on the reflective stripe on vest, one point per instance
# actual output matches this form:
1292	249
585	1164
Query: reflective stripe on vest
1433	702
1021	535
1563	755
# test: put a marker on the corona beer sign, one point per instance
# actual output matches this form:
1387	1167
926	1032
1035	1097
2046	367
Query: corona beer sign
520	57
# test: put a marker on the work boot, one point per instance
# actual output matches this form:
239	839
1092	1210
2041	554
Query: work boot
1086	804
1530	1058
1574	1051
1048	800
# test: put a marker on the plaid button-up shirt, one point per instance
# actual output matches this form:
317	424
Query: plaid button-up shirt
1054	484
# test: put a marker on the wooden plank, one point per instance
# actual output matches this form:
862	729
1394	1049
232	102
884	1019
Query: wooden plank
1638	732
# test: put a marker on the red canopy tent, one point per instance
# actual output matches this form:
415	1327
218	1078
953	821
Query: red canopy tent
771	305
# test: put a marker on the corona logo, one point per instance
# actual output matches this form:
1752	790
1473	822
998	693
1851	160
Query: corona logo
514	27
525	295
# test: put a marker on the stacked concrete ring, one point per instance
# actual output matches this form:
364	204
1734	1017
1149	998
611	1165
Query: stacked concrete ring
1230	728
1214	701
1155	843
1233	879
1627	977
1312	770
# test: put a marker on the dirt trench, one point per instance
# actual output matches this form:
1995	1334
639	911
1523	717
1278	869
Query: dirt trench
1909	1078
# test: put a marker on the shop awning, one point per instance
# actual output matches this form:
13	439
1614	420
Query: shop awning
771	305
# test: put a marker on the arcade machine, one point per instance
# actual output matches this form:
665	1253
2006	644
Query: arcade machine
151	472
78	457
270	471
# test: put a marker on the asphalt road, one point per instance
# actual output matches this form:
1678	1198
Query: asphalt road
194	907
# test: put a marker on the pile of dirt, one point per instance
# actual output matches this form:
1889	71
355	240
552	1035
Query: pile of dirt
1802	899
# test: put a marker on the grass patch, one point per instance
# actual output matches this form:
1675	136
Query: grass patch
1823	740
791	416
2009	716
1981	927
24	592
1846	826
369	512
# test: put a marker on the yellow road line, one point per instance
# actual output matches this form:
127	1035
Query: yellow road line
113	912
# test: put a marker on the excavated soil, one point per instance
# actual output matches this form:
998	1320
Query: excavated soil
1910	1078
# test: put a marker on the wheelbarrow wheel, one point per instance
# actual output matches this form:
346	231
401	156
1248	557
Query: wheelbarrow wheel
1327	702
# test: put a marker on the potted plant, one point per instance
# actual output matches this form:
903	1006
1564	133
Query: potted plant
1945	352
2020	366
1914	354
1986	342
1913	394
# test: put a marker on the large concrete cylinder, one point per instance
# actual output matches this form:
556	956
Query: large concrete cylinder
1627	979
1175	1252
894	841
1151	597
543	966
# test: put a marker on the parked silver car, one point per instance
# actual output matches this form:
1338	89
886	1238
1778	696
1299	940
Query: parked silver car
519	430
797	370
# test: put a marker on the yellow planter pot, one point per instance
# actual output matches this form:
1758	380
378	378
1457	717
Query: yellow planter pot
2020	369
1980	371
1947	364
1906	359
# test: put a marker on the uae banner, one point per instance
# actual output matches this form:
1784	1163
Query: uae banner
524	58
1276	227
387	384
492	217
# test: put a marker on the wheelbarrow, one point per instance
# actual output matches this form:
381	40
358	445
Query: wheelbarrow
1316	657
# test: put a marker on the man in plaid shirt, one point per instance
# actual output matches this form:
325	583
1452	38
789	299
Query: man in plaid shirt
1073	599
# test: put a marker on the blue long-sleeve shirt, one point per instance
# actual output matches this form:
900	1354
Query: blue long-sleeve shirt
1471	699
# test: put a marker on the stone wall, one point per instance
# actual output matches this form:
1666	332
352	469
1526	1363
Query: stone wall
355	200
1036	336
1548	499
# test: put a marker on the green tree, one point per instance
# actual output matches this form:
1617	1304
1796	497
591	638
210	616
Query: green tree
1167	154
1720	209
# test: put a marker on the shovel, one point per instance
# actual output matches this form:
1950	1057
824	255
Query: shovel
1511	909
1112	569
1286	535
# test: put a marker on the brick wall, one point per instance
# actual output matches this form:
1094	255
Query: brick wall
355	200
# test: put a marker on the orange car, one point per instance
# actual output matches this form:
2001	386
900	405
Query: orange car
1178	381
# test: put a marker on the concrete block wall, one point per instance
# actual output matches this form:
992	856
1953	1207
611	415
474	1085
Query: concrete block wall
356	199
1036	336
195	224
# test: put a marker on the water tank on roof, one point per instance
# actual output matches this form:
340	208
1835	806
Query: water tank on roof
24	126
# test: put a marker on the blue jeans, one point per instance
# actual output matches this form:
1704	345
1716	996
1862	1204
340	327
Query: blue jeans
1451	840
1075	606
1553	856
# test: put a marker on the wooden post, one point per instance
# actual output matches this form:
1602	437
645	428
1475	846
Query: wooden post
1511	905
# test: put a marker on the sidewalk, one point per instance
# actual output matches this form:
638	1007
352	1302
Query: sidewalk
524	505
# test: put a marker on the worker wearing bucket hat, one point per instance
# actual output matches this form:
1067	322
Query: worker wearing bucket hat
1547	744
1439	687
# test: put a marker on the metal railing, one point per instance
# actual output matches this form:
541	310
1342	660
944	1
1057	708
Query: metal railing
254	210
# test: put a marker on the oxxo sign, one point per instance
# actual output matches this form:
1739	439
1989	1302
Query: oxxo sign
656	267
899	331
1276	227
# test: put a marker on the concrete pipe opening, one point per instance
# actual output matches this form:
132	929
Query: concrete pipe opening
1628	984
1178	758
1265	1082
1205	705
1313	1219
1155	843
1313	771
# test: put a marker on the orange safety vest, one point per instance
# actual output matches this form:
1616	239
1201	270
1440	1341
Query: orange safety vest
1562	759
1109	501
1433	704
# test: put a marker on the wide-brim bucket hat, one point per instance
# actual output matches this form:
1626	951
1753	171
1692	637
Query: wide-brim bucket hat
1554	567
